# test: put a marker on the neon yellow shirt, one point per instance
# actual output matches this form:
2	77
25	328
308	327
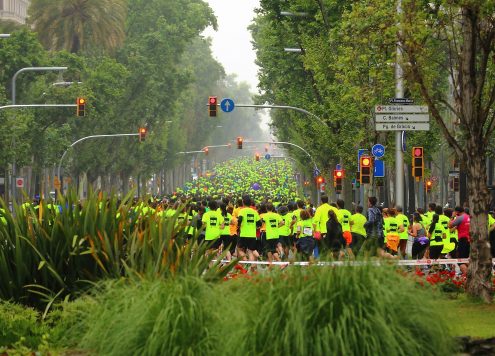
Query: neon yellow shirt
404	221
321	217
272	220
305	227
213	220
358	221
248	225
344	217
285	229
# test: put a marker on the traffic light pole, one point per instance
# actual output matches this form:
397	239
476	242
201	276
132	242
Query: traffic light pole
399	93
87	138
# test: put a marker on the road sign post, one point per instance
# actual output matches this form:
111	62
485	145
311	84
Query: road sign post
19	182
227	105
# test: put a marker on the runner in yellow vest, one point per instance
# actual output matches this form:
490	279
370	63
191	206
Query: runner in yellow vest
344	217
357	229
403	235
273	222
437	234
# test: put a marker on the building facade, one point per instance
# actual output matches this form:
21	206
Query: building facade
14	10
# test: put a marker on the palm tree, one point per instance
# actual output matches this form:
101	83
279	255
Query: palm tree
78	25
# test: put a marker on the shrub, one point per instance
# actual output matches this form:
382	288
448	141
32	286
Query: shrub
341	311
19	326
169	317
310	311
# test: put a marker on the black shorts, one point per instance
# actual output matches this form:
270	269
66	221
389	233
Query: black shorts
305	245
271	245
435	251
214	244
284	240
248	243
229	242
463	248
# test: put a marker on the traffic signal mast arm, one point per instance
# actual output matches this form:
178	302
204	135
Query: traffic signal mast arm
38	106
87	138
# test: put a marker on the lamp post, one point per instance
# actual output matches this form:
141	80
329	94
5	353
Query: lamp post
14	78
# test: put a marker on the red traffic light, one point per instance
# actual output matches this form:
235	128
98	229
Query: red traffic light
339	173
212	106
239	142
418	151
257	156
205	150
365	162
320	180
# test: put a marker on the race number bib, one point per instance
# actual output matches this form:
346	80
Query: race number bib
308	231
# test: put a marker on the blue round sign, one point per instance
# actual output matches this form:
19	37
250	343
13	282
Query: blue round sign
378	150
267	156
227	105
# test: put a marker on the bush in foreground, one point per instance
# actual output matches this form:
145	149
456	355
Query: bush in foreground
19	326
313	311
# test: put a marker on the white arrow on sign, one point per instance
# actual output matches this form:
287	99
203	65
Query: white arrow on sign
394	109
402	118
408	126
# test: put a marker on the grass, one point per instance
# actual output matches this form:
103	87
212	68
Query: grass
347	310
466	317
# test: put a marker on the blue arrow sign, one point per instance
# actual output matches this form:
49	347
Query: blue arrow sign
267	156
379	170
316	172
227	105
378	150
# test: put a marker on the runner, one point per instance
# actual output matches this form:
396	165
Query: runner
213	224
272	222
305	242
248	220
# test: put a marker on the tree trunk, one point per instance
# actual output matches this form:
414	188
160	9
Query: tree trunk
479	283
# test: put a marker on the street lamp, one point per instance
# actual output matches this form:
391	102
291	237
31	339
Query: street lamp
27	69
293	50
294	14
64	84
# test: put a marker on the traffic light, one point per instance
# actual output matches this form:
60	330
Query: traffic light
455	184
365	164
212	106
142	134
239	142
81	106
428	185
338	174
205	150
257	157
418	164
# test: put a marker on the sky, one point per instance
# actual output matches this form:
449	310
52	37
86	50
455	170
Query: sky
232	42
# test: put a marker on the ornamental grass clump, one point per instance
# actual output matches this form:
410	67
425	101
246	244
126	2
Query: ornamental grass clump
298	311
340	311
161	317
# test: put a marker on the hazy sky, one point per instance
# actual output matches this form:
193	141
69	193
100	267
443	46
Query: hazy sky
232	42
